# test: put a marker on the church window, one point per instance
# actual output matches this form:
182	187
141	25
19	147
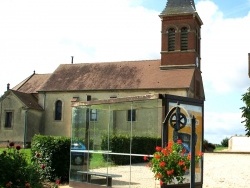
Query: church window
8	120
131	115
58	110
93	114
184	38
171	39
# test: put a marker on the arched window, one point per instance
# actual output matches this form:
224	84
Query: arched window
171	39
58	110
184	38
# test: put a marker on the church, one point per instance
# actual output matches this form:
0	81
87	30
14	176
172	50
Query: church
42	103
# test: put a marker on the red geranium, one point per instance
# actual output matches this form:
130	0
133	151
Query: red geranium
162	164
158	148
170	163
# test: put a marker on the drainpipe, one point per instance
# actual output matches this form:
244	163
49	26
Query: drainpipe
25	129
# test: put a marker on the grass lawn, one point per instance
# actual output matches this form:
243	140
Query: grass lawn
220	148
26	152
97	161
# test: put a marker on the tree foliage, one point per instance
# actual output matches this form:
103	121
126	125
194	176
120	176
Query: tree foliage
224	142
246	111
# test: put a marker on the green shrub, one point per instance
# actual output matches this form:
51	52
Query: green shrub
51	155
121	144
16	171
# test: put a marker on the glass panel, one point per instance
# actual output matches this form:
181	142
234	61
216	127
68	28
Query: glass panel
114	147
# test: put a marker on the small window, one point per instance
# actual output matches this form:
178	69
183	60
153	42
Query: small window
132	115
171	39
184	39
8	120
93	114
58	110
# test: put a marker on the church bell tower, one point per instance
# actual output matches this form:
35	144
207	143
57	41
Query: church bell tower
180	44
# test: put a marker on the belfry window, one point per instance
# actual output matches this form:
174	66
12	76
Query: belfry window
197	41
184	39
58	110
171	39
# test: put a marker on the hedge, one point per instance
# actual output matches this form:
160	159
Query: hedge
52	154
121	144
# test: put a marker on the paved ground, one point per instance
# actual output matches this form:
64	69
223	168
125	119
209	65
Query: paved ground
224	170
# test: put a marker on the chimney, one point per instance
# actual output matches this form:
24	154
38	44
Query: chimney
8	87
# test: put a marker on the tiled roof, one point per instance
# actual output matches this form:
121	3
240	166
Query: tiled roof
28	99
179	7
32	84
117	75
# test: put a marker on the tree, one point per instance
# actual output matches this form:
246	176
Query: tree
224	142
246	111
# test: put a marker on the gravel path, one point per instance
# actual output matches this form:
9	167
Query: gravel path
221	170
226	170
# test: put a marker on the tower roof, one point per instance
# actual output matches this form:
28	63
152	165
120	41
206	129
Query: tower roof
179	7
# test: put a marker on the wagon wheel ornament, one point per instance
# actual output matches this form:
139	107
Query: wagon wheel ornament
181	122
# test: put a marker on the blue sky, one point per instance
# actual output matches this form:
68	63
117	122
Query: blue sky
41	34
230	8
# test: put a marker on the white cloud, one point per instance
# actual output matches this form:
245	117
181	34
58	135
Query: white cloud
40	35
221	125
225	48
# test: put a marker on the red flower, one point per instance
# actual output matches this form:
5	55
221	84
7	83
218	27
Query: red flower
179	141
18	147
181	163
170	144
58	181
161	183
162	164
43	166
183	151
145	158
158	148
27	185
158	176
165	151
11	144
184	168
199	154
157	156
170	172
